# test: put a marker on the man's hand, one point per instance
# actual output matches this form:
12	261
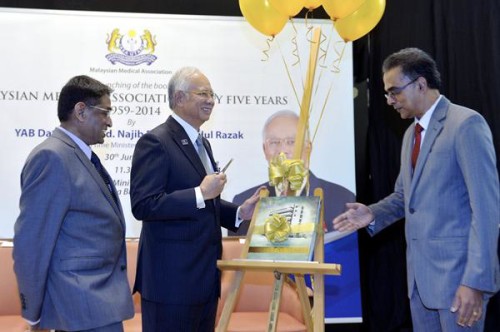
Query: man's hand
212	185
357	216
469	304
248	206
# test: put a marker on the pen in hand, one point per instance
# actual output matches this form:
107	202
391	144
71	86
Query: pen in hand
223	170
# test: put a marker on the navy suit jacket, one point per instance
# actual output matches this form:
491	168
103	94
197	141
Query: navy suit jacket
69	242
335	197
179	244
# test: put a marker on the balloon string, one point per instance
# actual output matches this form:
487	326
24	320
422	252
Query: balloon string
266	51
340	54
337	61
322	113
323	50
295	51
309	27
288	74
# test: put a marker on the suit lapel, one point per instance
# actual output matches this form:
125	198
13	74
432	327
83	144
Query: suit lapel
93	173
207	146
432	132
181	138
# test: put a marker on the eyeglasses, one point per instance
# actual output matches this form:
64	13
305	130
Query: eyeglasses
396	90
205	94
103	111
274	143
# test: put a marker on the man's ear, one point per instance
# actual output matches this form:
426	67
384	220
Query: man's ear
178	97
264	149
78	111
422	83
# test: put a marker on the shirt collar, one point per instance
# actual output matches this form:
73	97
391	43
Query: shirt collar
190	130
424	121
81	144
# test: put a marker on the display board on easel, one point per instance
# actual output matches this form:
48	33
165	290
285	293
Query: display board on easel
286	261
277	239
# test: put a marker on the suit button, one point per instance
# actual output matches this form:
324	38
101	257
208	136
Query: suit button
412	210
123	267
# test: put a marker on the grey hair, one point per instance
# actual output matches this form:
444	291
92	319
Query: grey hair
414	63
179	82
280	114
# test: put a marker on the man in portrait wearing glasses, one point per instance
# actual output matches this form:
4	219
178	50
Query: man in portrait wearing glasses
342	292
278	136
448	192
175	191
69	239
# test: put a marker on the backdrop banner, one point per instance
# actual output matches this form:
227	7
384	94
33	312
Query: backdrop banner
136	54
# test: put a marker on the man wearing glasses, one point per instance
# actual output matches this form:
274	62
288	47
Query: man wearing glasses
278	135
175	191
69	239
448	192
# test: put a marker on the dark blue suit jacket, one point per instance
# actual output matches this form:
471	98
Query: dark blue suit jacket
179	244
335	197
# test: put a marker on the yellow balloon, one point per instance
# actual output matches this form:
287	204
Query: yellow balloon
341	8
360	22
288	7
263	17
311	4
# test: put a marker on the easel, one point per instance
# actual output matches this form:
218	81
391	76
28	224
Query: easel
314	319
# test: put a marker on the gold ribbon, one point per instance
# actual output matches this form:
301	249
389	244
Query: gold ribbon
286	173
304	227
276	228
279	250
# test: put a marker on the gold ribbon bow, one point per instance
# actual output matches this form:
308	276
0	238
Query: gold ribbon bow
287	174
276	228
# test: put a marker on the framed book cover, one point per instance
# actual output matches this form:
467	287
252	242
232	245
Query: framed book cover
285	228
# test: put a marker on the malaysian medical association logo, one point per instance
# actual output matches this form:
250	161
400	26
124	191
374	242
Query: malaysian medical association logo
131	49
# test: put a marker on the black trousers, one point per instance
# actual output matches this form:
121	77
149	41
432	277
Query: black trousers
160	317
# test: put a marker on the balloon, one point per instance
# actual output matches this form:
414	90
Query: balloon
288	7
311	4
361	21
341	8
263	17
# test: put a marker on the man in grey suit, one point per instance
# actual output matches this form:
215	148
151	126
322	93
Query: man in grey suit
450	199
69	239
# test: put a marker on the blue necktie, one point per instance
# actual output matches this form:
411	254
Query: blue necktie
202	152
102	172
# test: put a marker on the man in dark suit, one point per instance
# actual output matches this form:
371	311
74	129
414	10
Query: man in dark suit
69	239
175	191
448	192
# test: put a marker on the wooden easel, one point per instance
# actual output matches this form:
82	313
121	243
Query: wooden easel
314	319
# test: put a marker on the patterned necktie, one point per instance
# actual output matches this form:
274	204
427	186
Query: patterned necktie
202	153
416	146
102	172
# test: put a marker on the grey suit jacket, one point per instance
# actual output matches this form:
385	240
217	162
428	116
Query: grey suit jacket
451	204
69	241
